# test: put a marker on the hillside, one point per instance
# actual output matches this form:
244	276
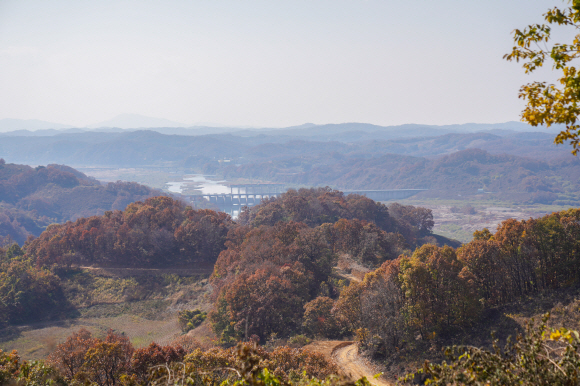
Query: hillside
150	148
519	179
32	198
161	232
310	264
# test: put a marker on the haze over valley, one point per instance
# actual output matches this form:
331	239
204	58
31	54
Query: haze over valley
297	193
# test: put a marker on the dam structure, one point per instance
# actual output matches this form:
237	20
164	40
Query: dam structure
243	195
253	194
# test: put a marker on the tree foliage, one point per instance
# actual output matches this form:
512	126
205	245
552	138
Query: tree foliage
14	371
248	364
538	357
190	319
549	104
319	319
437	292
316	206
84	359
156	232
33	198
87	359
27	292
268	274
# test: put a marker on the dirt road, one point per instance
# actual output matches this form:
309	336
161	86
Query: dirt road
345	355
348	360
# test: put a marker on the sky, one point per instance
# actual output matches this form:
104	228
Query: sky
264	63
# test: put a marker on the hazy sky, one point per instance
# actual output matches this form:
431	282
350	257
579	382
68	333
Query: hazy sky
263	63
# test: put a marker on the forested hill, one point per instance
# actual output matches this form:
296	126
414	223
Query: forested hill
304	232
150	148
516	166
32	198
521	179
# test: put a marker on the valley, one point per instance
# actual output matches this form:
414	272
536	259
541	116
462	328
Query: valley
135	246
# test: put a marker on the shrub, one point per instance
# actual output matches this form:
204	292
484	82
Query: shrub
153	355
540	357
86	359
319	319
300	340
27	293
247	364
69	356
190	319
15	372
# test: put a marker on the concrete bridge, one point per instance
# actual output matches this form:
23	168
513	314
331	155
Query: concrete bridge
253	194
243	195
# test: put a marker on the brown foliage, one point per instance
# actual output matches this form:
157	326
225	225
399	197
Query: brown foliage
269	272
316	206
36	197
263	284
69	356
27	292
152	355
219	364
156	232
439	291
319	319
85	358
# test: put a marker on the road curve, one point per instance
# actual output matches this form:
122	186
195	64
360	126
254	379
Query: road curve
348	360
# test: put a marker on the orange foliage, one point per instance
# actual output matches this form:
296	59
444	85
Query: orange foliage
156	232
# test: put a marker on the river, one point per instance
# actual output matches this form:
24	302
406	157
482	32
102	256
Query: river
199	182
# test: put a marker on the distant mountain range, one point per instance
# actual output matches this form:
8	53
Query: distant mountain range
501	158
343	132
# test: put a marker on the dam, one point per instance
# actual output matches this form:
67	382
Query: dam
253	194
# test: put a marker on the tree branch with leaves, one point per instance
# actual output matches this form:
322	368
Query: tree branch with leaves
551	104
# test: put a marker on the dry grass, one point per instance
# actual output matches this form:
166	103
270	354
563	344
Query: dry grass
144	308
36	342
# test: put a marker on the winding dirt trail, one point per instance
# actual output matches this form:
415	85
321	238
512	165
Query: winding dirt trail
345	355
348	360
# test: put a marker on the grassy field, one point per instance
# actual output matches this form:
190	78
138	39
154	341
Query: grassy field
458	219
143	307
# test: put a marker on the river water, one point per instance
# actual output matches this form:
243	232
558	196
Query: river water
201	183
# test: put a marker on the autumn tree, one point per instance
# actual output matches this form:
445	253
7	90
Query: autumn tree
14	371
484	260
87	359
373	309
316	206
412	222
440	292
550	104
264	279
27	292
156	232
69	356
147	357
538	357
319	320
249	364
